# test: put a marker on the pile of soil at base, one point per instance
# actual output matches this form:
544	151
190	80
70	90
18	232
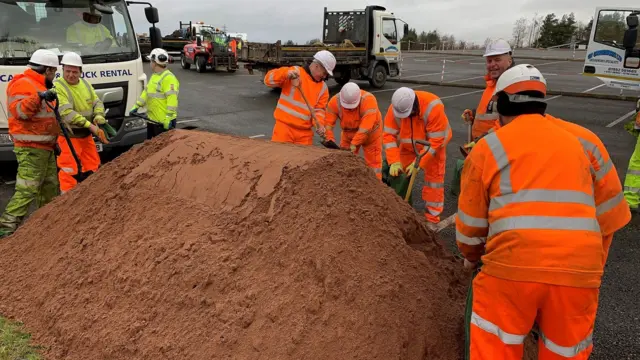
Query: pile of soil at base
204	246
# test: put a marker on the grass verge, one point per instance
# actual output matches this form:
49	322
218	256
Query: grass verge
15	343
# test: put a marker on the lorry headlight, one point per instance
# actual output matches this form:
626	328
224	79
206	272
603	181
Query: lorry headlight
5	139
135	124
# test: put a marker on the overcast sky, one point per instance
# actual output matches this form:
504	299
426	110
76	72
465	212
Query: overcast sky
300	21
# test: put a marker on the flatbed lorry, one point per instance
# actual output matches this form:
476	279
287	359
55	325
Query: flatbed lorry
366	44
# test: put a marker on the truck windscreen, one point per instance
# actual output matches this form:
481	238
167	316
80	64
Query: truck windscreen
66	25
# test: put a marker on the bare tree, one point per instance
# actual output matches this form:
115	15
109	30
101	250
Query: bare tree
519	31
487	41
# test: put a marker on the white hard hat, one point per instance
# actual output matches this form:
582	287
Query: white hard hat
327	60
159	56
497	47
402	102
522	78
72	59
350	95
45	58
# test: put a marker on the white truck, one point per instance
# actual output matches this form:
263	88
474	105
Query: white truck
366	44
613	54
115	71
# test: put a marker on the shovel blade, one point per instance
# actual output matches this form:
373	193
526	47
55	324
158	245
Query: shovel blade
82	176
330	144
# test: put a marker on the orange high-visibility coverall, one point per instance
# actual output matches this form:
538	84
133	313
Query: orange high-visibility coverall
430	124
484	118
293	118
361	127
527	203
612	210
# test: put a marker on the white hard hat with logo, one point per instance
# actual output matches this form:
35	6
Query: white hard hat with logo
327	60
159	56
402	102
497	47
45	58
350	95
521	78
71	59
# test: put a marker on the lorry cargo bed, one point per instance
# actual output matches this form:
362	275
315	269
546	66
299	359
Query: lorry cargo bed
278	55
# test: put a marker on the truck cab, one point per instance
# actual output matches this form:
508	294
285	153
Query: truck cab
613	54
112	64
376	31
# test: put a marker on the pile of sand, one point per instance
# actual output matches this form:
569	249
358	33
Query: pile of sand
203	246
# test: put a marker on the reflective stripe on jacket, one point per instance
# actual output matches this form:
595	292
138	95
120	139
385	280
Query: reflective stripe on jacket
79	103
431	123
527	203
161	97
365	120
31	122
486	115
291	108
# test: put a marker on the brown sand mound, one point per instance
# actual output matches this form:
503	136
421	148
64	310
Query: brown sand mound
203	246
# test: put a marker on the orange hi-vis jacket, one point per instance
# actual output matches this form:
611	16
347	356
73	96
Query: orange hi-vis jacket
612	210
291	108
527	203
430	124
31	122
360	125
485	118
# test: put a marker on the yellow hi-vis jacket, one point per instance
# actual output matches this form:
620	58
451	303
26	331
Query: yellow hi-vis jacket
161	97
79	104
88	34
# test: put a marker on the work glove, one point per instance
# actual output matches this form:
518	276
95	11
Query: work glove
169	124
99	120
99	133
320	130
49	95
470	265
395	169
294	76
467	116
134	110
353	148
410	169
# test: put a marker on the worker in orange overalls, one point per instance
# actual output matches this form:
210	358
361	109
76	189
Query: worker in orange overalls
34	130
415	115
293	116
527	210
498	59
361	124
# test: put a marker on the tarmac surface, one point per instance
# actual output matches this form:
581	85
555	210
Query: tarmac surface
241	104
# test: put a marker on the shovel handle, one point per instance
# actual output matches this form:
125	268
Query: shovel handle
65	133
316	124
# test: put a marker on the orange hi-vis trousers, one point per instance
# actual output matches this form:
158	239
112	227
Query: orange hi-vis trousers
372	151
433	189
288	134
504	311
87	153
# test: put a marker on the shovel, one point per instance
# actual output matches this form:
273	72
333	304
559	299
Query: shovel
330	144
80	176
416	162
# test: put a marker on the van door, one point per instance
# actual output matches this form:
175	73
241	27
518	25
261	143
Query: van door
613	54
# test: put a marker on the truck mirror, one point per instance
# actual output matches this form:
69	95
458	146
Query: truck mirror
198	41
406	29
152	14
155	37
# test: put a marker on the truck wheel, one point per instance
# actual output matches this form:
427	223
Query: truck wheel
183	62
201	64
379	77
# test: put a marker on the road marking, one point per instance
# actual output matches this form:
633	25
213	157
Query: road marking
471	78
463	94
549	63
478	63
553	98
414	76
394	89
547	74
621	118
593	88
256	136
186	121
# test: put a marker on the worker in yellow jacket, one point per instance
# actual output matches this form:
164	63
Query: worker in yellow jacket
161	95
82	110
89	32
